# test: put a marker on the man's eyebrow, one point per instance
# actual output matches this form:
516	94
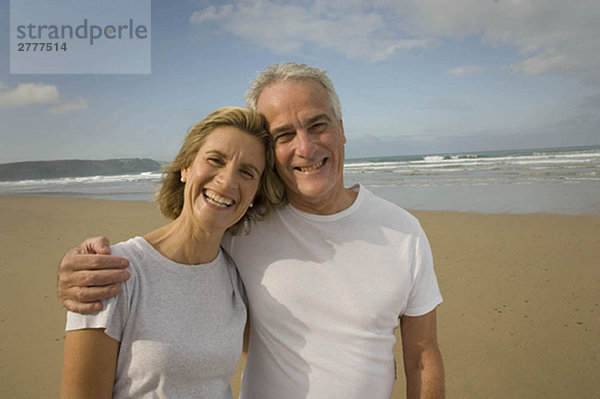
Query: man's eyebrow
281	129
309	121
315	118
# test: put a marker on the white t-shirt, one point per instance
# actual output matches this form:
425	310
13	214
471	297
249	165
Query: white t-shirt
325	294
180	327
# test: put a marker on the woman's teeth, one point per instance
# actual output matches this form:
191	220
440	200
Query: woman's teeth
217	200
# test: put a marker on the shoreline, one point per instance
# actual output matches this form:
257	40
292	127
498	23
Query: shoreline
520	316
458	204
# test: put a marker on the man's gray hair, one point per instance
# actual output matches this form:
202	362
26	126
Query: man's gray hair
291	71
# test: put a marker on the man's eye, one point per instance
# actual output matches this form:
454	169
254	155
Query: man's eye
318	127
284	137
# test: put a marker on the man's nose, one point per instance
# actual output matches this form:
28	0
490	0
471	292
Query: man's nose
305	143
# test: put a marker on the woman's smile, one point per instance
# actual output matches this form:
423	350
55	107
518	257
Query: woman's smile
216	199
223	179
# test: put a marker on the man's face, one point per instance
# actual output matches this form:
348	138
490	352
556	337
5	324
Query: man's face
309	142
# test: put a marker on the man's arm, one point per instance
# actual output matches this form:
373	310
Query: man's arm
89	365
423	363
88	273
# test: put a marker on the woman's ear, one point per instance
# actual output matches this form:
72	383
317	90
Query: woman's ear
184	174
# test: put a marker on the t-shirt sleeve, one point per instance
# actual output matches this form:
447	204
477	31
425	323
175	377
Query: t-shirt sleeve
113	316
425	293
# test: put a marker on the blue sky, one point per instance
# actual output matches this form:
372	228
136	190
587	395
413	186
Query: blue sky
413	76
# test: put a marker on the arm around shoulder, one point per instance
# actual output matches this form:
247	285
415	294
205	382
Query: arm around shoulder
423	363
88	273
89	365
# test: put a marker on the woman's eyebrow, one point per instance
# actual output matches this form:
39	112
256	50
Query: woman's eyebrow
222	155
216	152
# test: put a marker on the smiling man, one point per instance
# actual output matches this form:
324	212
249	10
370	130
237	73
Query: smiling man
328	276
310	140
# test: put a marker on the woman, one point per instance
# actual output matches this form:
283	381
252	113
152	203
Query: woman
176	328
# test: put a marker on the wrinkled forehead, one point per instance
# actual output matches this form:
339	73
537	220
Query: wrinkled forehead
296	98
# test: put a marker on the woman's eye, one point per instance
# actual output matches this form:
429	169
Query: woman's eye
248	173
215	161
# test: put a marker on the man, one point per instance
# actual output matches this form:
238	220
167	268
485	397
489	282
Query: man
327	276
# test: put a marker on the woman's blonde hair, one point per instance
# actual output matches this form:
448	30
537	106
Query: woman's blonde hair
270	190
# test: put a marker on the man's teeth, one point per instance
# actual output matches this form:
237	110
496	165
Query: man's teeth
217	200
312	167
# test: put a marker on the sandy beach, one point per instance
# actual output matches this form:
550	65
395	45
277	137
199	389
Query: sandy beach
520	318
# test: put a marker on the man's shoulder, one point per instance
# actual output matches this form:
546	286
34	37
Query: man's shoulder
378	207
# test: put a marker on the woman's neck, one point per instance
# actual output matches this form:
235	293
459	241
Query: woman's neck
184	242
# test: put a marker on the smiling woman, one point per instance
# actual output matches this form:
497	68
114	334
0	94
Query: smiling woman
171	195
221	183
139	343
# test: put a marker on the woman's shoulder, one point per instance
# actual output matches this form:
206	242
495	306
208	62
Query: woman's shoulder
134	250
134	247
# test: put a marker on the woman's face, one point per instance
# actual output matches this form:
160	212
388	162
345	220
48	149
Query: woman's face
223	178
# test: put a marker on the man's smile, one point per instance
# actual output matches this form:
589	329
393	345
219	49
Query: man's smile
310	167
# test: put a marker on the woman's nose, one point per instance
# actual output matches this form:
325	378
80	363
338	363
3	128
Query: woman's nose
226	177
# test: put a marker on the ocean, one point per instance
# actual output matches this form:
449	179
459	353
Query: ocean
557	180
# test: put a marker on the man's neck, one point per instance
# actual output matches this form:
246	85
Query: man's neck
326	206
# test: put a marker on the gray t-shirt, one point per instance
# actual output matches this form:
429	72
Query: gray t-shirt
180	326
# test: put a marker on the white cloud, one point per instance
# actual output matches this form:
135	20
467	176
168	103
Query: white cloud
465	70
552	36
69	107
28	94
349	28
212	14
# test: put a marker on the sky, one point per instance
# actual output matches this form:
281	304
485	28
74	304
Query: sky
413	77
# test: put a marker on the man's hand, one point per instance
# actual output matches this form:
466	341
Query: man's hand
88	273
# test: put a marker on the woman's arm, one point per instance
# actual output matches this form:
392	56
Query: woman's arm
89	365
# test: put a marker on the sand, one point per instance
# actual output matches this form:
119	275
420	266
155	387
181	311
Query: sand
520	318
